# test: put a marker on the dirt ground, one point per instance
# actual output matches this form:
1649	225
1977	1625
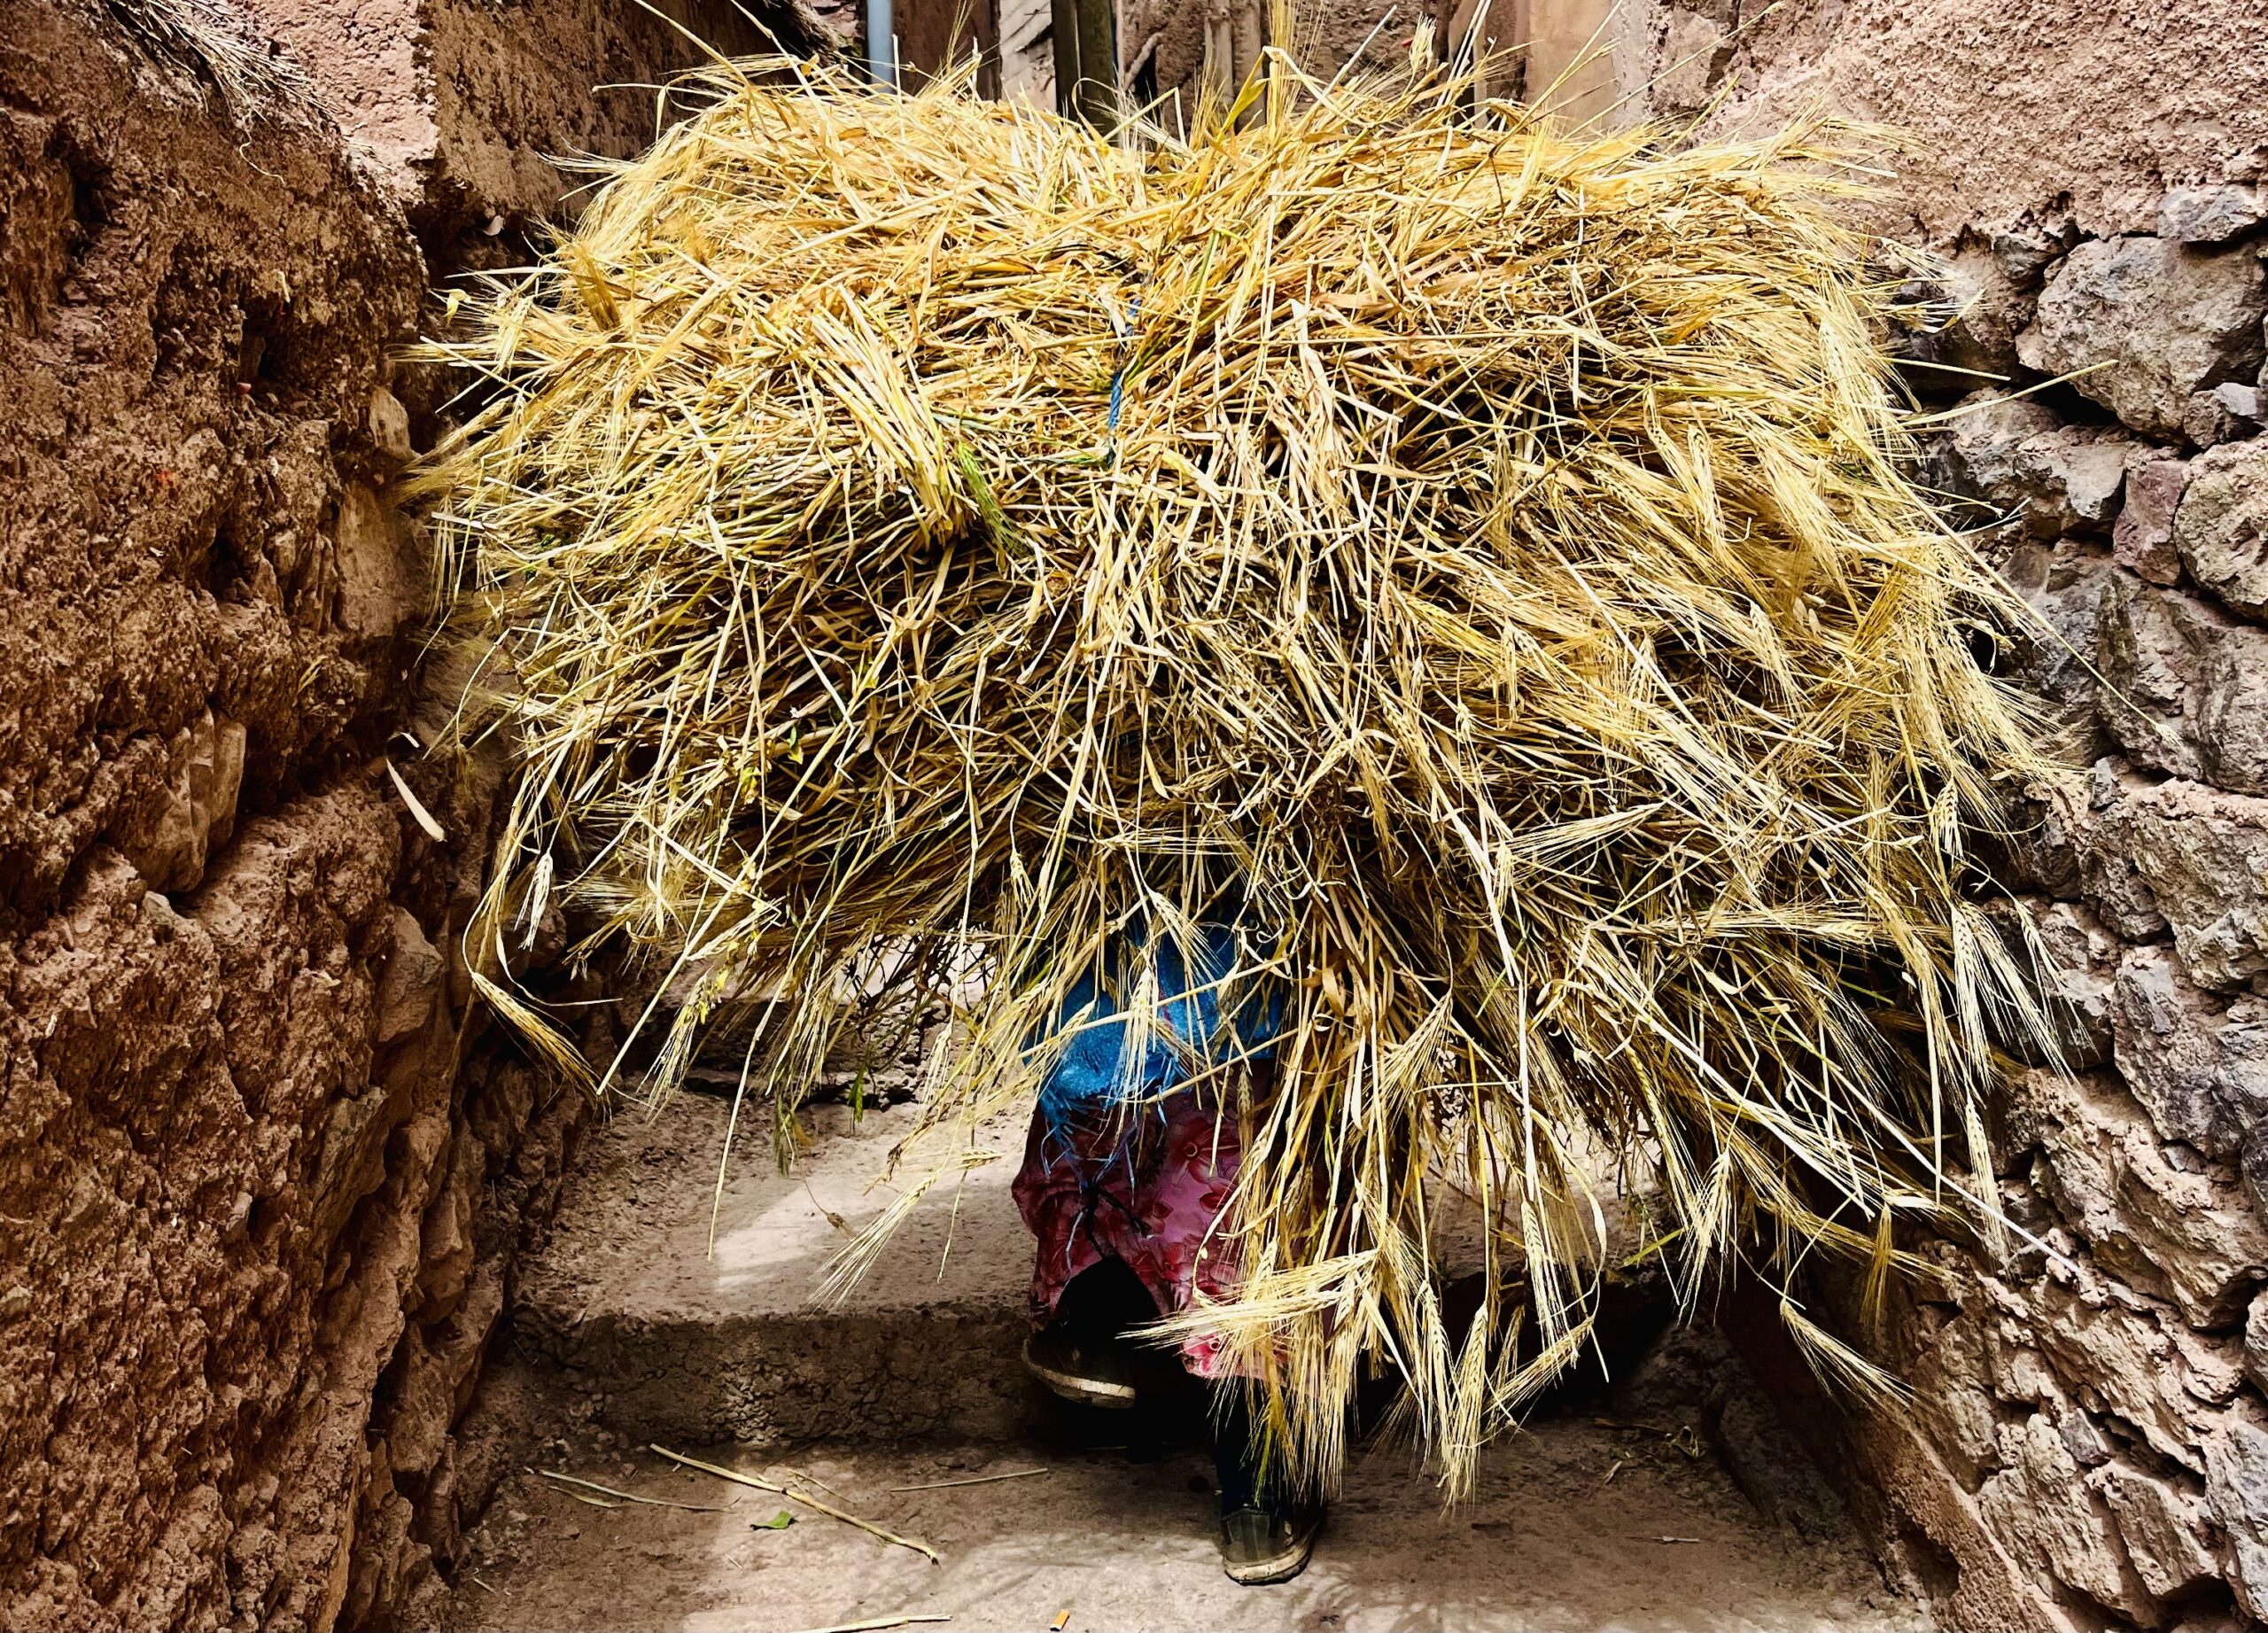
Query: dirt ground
1579	1523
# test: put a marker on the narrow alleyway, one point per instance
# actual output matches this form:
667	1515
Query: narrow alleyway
308	1264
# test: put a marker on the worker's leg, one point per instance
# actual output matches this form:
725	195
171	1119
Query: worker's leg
1266	1533
1080	1291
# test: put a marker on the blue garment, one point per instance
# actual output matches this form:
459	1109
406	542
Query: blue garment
1101	1066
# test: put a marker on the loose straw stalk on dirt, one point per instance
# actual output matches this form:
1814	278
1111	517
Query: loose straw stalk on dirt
915	541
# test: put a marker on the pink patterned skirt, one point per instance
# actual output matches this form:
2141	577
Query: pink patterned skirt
1145	1187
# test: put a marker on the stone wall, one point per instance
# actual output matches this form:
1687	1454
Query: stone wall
2087	1444
262	1174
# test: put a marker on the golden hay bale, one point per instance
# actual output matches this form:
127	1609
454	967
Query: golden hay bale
922	542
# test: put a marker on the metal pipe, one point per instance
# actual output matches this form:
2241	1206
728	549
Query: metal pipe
882	43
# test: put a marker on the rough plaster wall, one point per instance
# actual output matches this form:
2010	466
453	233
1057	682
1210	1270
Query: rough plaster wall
466	105
261	1188
2088	1440
226	1102
2024	107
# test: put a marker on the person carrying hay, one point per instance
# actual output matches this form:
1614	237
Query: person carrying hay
1127	1174
1383	658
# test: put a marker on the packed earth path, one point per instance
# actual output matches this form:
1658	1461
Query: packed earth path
909	1411
1549	1543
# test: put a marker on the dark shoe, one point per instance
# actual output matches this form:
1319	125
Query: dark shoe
1090	1370
1262	1545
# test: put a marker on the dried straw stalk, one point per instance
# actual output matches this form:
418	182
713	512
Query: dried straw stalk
917	542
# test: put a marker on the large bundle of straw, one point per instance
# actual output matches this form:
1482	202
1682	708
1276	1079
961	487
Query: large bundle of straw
923	542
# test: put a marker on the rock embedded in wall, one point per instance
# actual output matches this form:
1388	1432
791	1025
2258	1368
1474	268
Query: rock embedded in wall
2202	852
1969	313
2021	464
2209	216
2237	1486
2063	581
2083	958
2149	326
2220	528
2165	1220
2151	648
2165	1529
2044	1512
2142	540
2196	1062
169	843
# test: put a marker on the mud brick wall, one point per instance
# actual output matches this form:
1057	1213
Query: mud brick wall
239	1172
2087	1444
262	1172
466	105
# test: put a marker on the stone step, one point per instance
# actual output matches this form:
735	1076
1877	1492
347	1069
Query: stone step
675	1340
